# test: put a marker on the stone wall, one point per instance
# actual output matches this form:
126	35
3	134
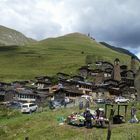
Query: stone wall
137	84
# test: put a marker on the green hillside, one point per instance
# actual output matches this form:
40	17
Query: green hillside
47	57
12	37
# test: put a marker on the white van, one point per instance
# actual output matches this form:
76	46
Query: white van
28	108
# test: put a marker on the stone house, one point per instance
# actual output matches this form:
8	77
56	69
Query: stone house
128	77
123	68
43	82
77	78
61	75
83	71
24	95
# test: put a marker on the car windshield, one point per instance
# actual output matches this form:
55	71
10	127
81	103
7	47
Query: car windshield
24	106
119	97
122	98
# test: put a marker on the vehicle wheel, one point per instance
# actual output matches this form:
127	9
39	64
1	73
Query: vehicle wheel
30	112
36	110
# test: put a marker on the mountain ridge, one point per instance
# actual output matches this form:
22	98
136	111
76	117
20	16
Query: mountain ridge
121	50
11	37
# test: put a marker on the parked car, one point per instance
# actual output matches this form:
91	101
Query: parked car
67	100
59	103
28	108
99	101
14	105
121	99
56	104
87	97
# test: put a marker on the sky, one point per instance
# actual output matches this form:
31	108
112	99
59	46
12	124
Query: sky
114	21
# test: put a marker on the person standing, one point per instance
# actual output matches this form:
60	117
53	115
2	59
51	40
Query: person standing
87	105
133	115
88	119
81	105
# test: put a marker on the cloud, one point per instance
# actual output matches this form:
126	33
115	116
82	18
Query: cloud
116	21
33	18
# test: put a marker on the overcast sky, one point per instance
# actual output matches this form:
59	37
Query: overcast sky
113	21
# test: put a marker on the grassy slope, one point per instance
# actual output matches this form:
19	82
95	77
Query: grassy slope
51	56
44	126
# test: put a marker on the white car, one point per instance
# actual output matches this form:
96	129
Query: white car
28	108
87	97
67	100
121	100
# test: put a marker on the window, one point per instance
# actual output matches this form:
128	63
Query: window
25	106
31	105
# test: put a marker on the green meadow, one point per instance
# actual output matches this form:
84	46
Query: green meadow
45	126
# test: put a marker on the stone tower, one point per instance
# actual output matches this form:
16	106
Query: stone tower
116	73
133	64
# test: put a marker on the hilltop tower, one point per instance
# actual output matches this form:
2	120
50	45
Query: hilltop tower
116	75
133	64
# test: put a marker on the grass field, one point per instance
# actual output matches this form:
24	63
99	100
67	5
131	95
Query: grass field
44	126
62	54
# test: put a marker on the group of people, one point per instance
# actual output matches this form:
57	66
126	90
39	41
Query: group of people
99	118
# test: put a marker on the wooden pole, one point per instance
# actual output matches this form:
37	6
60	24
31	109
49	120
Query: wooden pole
109	125
125	112
118	109
106	110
